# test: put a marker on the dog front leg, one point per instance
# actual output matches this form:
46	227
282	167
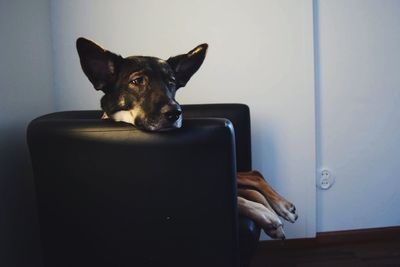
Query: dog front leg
281	206
264	217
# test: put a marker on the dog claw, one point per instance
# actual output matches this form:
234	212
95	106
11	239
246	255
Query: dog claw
277	224
292	209
276	233
291	217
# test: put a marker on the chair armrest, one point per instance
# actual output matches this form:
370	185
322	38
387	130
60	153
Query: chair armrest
111	195
239	115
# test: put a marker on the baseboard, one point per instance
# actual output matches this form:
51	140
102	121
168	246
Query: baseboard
386	234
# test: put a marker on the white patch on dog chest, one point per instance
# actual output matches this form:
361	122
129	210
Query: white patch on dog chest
127	116
104	117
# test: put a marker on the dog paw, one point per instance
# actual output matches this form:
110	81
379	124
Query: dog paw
263	215
276	233
288	211
269	220
285	209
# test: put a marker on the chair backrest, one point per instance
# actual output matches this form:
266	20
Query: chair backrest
239	115
111	195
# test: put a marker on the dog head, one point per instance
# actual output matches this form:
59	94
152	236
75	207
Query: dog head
139	90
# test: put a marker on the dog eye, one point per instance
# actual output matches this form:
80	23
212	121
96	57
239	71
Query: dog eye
138	81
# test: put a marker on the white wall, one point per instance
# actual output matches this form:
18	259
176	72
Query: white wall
359	114
25	92
261	54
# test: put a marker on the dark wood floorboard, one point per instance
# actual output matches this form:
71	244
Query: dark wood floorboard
360	253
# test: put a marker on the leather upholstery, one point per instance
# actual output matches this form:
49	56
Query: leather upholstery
111	195
239	115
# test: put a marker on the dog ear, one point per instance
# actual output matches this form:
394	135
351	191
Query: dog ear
99	65
186	65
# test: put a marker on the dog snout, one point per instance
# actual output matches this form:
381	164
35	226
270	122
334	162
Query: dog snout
172	113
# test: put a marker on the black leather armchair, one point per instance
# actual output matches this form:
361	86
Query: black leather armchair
111	195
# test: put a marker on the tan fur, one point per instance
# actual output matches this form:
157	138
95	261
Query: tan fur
253	195
262	216
279	204
265	217
105	116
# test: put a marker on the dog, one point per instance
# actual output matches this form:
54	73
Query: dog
140	90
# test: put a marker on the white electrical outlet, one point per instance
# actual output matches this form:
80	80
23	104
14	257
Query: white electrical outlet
326	180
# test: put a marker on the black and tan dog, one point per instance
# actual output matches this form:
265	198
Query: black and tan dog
141	91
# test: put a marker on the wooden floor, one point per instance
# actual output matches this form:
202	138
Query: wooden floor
381	247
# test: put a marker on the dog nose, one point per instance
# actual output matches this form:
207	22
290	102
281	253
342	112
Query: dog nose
173	114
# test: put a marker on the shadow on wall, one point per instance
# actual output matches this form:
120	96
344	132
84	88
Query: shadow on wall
265	158
18	221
